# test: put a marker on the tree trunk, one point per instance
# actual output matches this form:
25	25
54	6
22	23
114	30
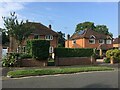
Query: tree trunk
11	44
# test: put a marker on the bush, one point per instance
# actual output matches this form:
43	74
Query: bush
39	49
107	60
10	60
76	52
24	56
115	53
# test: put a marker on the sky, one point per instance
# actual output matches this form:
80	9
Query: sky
64	16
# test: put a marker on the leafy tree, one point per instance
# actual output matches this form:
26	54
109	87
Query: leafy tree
5	38
16	29
61	39
85	25
119	36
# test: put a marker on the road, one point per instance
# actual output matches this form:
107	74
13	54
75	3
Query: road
108	79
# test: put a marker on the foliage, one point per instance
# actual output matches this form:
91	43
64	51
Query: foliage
61	39
119	36
17	29
25	55
51	71
102	29
39	49
107	60
115	53
85	25
5	38
90	25
9	60
73	52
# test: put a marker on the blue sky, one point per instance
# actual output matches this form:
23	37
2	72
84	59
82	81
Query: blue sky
64	16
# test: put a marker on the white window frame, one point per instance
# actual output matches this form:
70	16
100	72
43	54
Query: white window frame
51	49
103	41
110	41
49	37
36	35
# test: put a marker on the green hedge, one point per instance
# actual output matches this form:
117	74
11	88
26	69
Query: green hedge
39	49
74	52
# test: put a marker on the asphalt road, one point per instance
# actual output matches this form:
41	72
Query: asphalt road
107	79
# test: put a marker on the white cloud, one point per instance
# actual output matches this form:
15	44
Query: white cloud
7	7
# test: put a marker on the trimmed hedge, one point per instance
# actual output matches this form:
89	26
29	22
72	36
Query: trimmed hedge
39	49
74	52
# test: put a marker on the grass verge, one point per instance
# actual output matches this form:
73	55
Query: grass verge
52	71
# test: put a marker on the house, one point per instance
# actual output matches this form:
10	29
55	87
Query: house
116	43
89	39
41	32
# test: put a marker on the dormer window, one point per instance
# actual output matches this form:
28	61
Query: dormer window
92	39
49	37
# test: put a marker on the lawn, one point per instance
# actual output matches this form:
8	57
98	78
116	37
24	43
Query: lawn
52	71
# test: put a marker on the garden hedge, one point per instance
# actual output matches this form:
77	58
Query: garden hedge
74	52
39	49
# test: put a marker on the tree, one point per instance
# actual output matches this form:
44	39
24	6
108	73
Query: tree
5	38
119	36
84	26
16	29
61	39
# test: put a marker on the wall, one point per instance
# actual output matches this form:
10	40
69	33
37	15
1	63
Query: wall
74	61
33	63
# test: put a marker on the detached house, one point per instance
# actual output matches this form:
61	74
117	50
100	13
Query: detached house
116	43
89	39
42	32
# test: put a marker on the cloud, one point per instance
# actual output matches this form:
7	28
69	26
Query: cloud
7	7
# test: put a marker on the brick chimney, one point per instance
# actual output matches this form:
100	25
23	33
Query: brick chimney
50	26
68	37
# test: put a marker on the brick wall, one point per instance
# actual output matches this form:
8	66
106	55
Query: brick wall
33	63
74	61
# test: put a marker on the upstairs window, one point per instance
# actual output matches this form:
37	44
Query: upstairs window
101	41
108	41
49	37
36	36
92	39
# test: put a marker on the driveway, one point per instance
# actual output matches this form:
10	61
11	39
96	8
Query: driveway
108	79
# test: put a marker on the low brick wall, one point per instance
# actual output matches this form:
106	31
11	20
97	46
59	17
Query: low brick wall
74	61
33	63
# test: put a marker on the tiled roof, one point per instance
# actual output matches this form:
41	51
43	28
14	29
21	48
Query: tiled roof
42	29
116	41
88	33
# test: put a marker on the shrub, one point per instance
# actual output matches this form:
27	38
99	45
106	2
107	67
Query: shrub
115	53
39	49
25	55
10	60
76	52
107	60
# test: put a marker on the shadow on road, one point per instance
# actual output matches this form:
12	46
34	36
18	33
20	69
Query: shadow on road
98	85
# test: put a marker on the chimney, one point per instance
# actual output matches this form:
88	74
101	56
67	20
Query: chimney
50	26
68	37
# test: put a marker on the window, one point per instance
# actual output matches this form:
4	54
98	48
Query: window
74	41
108	42
50	49
92	41
36	36
49	37
101	41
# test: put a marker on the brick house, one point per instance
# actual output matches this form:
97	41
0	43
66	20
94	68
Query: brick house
116	43
89	39
41	32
